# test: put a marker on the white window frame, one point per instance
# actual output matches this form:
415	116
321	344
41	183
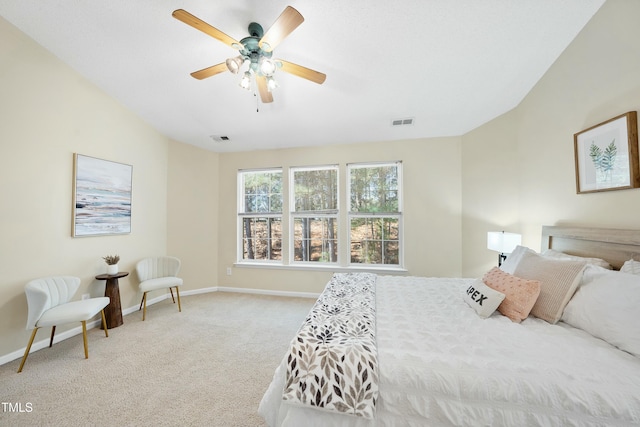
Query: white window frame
242	215
396	215
324	214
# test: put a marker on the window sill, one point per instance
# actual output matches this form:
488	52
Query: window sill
330	268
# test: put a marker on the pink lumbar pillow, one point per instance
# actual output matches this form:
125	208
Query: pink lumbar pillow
520	294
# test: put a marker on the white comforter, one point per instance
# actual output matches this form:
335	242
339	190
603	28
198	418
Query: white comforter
441	364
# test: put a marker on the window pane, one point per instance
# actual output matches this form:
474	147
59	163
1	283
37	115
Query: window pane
375	241
262	191
315	190
391	252
262	238
315	239
374	189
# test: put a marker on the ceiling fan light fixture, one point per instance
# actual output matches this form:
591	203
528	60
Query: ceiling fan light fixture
256	49
234	64
272	84
245	83
267	67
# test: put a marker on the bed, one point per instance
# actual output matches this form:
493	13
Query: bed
415	351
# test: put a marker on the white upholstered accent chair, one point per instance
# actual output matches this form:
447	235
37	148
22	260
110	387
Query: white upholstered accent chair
158	273
49	305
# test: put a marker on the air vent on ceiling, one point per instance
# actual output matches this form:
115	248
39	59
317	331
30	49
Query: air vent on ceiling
402	122
220	138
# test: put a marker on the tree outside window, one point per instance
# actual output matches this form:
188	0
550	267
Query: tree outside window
314	216
260	214
375	213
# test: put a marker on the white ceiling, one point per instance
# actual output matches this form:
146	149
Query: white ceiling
452	65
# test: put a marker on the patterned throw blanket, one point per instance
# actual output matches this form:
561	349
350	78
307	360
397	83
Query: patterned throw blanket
333	360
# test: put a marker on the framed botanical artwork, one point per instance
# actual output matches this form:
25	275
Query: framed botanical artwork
606	155
101	197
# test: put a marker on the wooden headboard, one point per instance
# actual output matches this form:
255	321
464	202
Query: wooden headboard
613	245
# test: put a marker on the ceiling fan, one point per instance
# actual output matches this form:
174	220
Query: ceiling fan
257	49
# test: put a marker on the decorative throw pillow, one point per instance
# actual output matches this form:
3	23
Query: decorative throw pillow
520	294
482	298
606	306
631	267
510	264
558	279
553	254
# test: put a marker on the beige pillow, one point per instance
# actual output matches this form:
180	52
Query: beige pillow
558	279
520	294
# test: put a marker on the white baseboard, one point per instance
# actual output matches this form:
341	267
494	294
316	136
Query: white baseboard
38	345
268	292
252	291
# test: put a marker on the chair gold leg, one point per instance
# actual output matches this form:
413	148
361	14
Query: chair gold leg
141	300
104	324
53	332
26	352
178	293
171	290
84	338
144	311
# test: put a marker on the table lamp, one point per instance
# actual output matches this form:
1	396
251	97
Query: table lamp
502	242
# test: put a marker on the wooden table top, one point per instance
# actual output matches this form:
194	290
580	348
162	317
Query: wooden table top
112	276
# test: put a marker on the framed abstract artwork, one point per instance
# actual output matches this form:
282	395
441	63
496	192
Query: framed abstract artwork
101	197
606	155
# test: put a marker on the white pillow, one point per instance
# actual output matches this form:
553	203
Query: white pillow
631	267
482	298
553	254
513	259
606	306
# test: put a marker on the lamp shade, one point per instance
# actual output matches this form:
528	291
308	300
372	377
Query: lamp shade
272	84
245	83
502	242
267	67
234	64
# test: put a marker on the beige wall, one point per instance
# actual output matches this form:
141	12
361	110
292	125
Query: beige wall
48	112
192	214
595	79
490	178
432	205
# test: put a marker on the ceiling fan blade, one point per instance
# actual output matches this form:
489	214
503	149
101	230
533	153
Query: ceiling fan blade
209	71
199	24
265	95
300	71
288	21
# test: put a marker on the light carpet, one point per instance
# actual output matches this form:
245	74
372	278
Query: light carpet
206	366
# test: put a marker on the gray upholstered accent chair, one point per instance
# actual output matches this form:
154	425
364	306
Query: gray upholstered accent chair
158	273
49	301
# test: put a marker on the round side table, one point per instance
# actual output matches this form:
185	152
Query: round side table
113	311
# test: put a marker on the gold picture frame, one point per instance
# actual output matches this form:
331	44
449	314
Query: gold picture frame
606	155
